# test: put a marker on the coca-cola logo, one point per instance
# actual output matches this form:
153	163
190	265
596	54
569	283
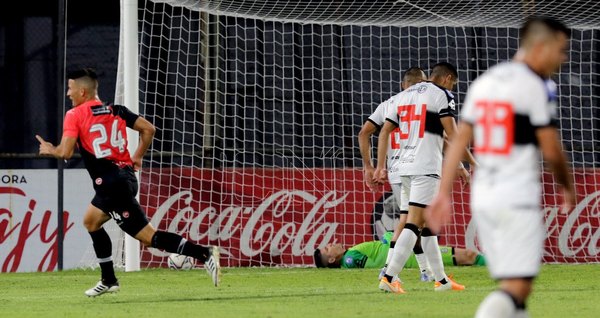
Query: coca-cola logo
273	226
580	231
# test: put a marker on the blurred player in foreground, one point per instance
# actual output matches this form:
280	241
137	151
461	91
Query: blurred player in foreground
509	115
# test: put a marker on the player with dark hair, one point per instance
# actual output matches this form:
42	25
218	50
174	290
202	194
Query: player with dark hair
99	131
423	114
509	115
411	77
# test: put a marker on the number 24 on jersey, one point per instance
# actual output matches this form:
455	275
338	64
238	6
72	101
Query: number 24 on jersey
117	142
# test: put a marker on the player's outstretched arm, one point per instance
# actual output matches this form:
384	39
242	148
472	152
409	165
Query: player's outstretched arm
63	151
146	130
549	142
364	144
438	212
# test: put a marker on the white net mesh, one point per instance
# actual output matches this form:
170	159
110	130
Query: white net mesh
453	13
258	105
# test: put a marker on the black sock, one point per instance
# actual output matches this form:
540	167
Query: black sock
103	249
388	277
392	244
174	243
108	273
417	249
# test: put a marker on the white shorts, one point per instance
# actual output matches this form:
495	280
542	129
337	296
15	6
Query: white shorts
512	240
420	190
401	197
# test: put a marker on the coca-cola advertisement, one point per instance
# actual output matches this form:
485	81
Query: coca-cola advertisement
279	216
258	217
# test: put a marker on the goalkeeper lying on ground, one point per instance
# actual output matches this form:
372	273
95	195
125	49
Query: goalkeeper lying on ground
373	254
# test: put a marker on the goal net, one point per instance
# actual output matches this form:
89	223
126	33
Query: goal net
258	105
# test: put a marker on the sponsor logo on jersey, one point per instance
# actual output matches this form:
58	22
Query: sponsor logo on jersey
98	181
125	214
422	89
100	110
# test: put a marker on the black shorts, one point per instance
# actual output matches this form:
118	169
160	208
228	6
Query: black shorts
115	196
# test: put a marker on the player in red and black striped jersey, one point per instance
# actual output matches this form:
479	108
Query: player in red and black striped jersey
100	133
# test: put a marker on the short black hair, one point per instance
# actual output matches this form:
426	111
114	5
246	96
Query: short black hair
553	24
444	69
413	73
318	260
84	72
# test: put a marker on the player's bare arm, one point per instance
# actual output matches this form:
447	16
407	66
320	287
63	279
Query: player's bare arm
63	151
449	125
364	144
146	130
549	142
382	144
438	212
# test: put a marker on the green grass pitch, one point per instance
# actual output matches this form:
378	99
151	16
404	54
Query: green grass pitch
560	291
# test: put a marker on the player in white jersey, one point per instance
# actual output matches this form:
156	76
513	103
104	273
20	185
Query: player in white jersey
411	76
508	114
423	113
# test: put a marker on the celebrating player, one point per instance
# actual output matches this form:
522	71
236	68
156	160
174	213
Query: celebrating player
100	132
509	114
423	113
374	253
412	76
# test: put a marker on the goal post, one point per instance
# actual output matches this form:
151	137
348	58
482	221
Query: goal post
258	106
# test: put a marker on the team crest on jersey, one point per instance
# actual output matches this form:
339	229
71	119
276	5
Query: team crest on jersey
125	214
422	89
349	260
452	105
98	181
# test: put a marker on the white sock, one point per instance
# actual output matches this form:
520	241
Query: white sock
431	249
521	313
497	305
390	254
422	261
402	252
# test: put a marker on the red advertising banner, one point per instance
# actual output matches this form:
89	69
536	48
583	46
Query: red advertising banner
572	237
258	217
279	216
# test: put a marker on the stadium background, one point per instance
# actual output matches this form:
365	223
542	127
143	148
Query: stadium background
332	102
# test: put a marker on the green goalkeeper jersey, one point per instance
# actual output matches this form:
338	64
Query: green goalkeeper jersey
374	254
